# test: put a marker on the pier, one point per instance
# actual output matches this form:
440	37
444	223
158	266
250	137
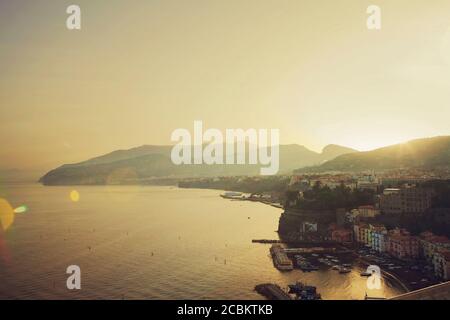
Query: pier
266	241
272	292
280	259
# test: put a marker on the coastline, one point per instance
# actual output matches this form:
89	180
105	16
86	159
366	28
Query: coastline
395	280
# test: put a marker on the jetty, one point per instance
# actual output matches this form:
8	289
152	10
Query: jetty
272	292
266	241
280	259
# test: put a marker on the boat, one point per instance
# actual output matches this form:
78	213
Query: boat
231	195
344	270
336	267
306	266
304	292
365	274
347	265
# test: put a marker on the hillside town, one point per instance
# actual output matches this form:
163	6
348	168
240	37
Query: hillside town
390	223
399	215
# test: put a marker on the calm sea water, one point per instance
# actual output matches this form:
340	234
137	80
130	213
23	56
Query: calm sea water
135	242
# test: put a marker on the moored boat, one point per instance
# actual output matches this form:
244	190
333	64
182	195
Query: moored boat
344	270
304	292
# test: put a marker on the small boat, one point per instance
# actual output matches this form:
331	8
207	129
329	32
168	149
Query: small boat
315	255
336	267
335	260
365	274
347	265
306	266
344	270
304	292
231	195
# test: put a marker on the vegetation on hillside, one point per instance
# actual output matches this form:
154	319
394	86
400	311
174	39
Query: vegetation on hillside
324	198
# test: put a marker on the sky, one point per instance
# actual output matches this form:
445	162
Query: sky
137	70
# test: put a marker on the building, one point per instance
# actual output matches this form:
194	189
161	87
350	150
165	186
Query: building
441	264
379	238
368	211
366	235
368	182
356	236
431	243
300	182
401	245
342	235
407	199
360	232
390	201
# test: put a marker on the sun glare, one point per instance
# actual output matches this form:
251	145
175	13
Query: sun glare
6	214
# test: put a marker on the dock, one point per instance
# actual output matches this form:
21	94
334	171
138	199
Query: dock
280	259
272	292
319	250
266	241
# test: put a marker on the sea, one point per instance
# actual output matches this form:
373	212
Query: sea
147	242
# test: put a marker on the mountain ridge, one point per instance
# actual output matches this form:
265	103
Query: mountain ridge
418	153
152	161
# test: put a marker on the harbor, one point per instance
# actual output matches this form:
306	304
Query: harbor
325	255
342	262
312	259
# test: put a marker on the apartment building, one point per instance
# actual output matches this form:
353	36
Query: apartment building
402	245
407	199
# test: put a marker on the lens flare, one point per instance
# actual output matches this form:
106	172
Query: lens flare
21	209
74	196
6	214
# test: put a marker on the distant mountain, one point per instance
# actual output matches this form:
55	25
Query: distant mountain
146	163
332	151
420	153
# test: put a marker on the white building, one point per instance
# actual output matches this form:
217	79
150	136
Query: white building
441	264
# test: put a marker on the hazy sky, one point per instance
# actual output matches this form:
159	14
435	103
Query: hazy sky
140	69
